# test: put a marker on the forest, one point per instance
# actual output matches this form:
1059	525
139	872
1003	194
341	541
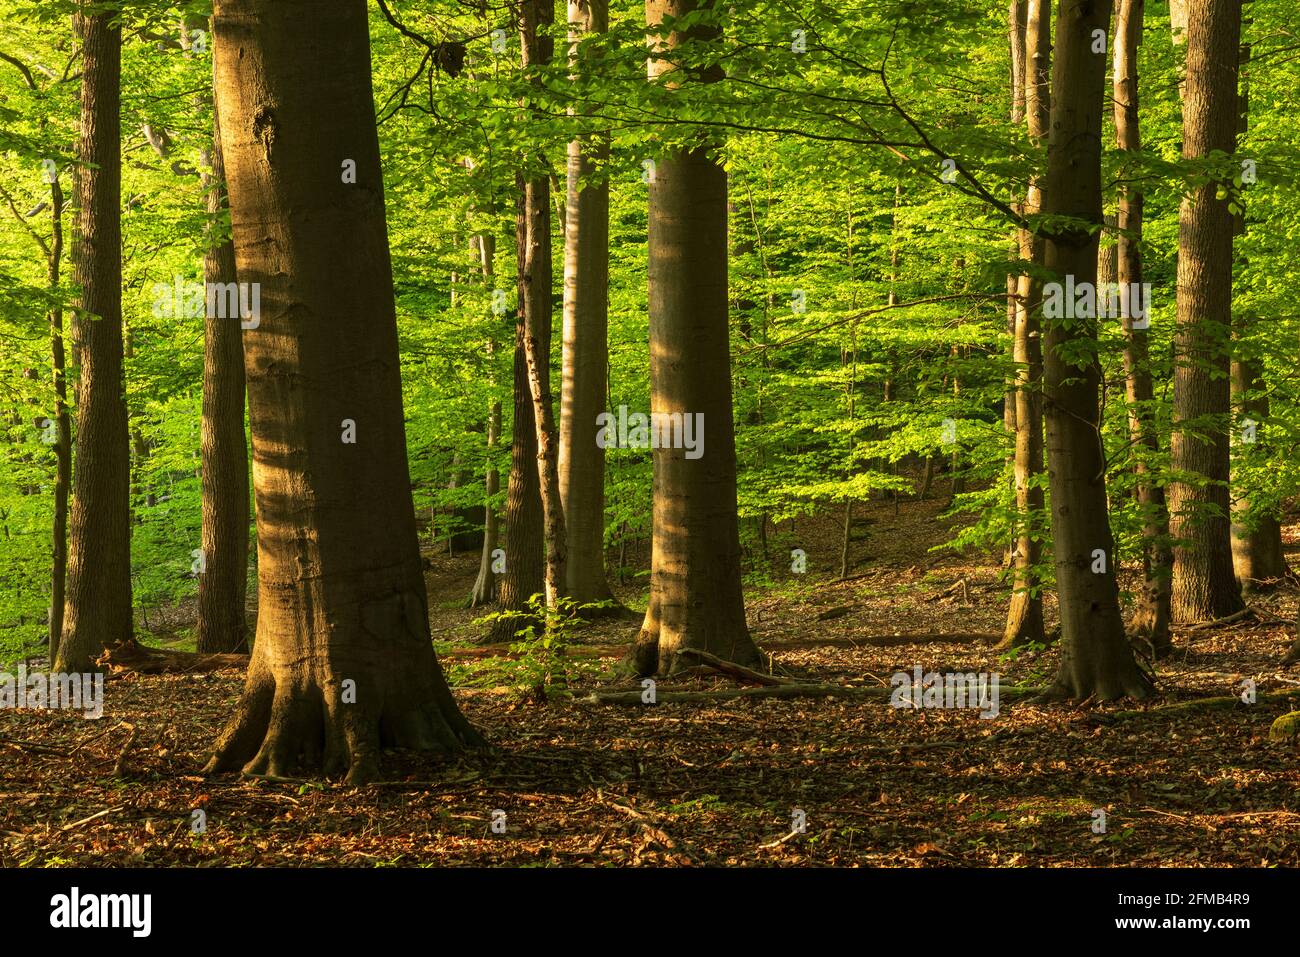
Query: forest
503	433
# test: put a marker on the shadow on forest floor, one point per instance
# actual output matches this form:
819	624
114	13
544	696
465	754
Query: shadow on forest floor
715	782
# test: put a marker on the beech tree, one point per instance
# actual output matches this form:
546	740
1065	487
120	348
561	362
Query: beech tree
1258	560
1096	660
1151	616
343	664
525	550
98	608
224	571
1204	585
586	351
695	588
536	279
1025	615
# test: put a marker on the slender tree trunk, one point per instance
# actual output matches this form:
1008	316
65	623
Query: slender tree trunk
1151	615
342	665
1016	22
1025	614
484	592
1096	660
223	578
524	561
696	600
1204	586
526	555
586	347
1257	557
63	427
98	609
537	279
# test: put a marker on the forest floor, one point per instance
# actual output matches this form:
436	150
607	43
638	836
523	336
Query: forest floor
716	782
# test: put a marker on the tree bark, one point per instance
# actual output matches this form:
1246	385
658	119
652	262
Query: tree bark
536	281
98	608
1257	557
223	579
586	348
696	600
525	571
1204	586
63	429
1096	660
485	587
1025	614
523	575
342	664
1151	615
1258	560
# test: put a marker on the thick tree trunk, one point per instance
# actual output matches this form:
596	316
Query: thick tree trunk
98	608
1025	614
1204	586
696	600
1151	615
1096	660
223	578
342	664
63	427
586	349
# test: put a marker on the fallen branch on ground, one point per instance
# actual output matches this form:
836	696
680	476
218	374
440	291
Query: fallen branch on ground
1196	704
1218	622
132	657
793	690
731	669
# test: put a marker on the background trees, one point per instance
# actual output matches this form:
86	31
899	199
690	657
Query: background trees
872	178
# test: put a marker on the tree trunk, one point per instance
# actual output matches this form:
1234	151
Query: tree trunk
63	427
98	609
1151	615
536	280
485	585
1257	557
342	664
1096	660
696	600
523	575
586	348
223	578
1016	22
1204	586
1258	560
1025	614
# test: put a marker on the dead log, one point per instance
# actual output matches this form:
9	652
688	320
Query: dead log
792	690
132	657
731	669
1198	704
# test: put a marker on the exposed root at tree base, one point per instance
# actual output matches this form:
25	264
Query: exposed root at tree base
280	732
